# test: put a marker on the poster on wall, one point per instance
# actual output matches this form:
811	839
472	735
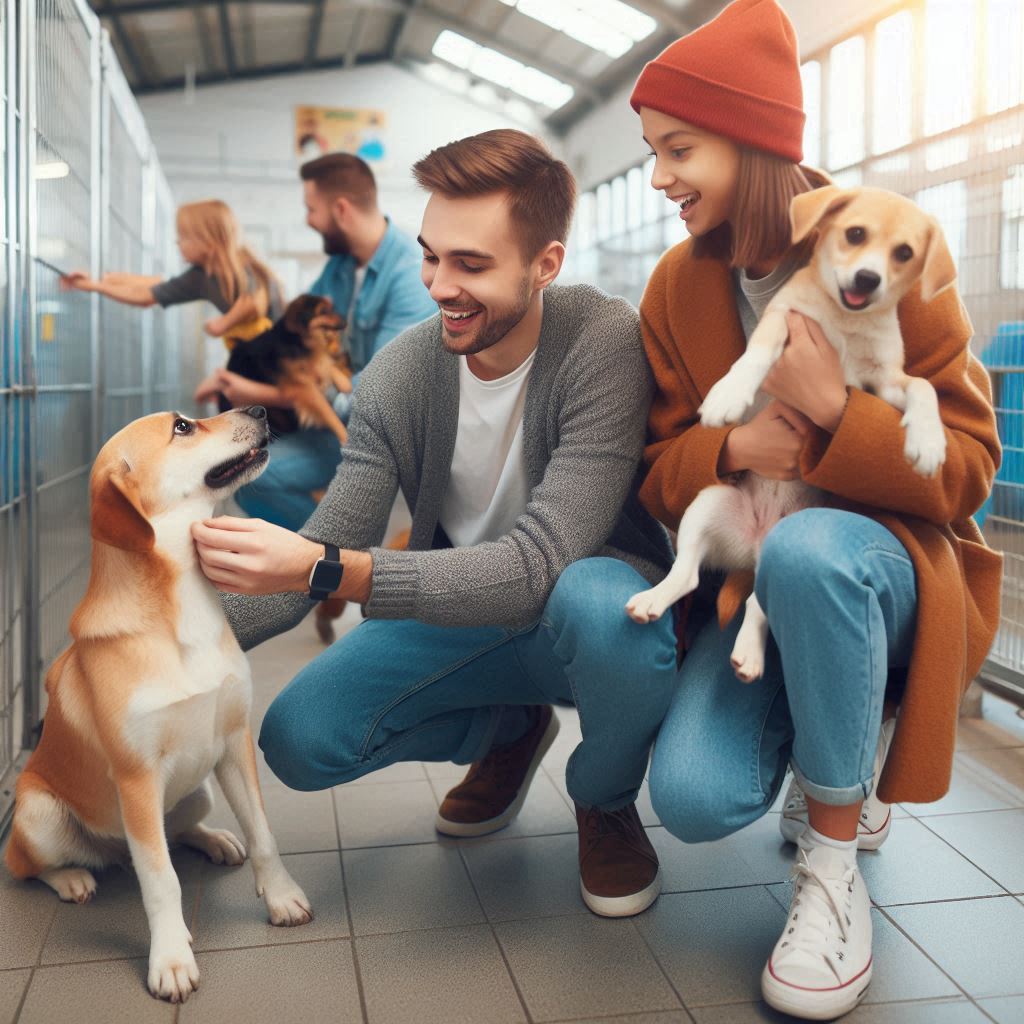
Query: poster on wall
320	130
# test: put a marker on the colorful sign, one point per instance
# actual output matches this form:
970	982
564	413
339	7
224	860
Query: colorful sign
320	130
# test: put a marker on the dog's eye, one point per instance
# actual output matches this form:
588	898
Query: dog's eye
903	253
856	236
183	426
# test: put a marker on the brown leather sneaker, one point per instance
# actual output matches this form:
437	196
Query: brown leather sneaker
619	872
494	788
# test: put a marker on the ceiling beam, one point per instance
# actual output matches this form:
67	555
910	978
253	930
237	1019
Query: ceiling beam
352	51
260	71
316	20
403	22
140	72
225	36
205	42
109	10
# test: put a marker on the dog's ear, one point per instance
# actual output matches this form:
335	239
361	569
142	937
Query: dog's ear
117	515
808	209
298	313
939	270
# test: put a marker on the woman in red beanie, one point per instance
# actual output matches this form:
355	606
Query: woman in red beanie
891	597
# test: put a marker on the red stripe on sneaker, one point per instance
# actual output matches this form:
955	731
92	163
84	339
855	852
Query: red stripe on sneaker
805	988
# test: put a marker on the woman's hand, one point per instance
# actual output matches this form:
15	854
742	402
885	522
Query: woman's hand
808	376
208	388
77	281
238	390
769	444
215	326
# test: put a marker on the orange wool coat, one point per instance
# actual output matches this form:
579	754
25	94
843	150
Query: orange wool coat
692	334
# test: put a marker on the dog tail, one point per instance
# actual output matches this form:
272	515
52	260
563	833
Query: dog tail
738	586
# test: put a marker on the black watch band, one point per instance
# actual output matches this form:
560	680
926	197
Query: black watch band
326	575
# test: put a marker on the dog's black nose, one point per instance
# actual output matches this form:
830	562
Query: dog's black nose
866	281
257	412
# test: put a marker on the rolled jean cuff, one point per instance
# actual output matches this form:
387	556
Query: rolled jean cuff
480	735
834	796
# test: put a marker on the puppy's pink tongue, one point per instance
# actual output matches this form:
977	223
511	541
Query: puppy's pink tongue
854	298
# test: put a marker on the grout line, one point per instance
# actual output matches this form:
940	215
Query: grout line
36	965
348	914
960	814
494	934
661	967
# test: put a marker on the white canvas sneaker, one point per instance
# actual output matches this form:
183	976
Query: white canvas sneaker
875	815
821	966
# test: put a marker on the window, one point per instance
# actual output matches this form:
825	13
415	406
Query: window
949	60
810	74
846	103
1011	263
1004	44
893	86
948	204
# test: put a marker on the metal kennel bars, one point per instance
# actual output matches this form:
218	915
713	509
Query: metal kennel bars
82	190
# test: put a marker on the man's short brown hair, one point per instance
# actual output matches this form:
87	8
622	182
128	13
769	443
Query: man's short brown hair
342	174
541	189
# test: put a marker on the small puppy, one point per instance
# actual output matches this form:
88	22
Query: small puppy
300	355
872	247
152	695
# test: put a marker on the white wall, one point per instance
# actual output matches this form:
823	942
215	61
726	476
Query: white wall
608	141
235	142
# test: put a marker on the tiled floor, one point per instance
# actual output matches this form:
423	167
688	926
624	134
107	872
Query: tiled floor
411	928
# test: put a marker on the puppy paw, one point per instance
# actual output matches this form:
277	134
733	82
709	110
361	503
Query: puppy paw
220	845
287	904
727	401
650	605
924	446
747	661
173	973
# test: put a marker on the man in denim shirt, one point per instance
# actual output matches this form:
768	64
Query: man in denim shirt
373	279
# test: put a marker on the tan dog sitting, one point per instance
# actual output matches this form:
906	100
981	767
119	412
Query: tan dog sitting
872	247
153	694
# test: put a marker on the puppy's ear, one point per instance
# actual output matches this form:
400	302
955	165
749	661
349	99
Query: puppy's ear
939	270
808	209
117	515
297	315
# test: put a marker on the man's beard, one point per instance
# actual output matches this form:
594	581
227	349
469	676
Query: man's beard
498	324
336	243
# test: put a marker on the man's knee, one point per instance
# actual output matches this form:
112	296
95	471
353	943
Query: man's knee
298	753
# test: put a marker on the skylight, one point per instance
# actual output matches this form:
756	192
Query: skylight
609	26
483	62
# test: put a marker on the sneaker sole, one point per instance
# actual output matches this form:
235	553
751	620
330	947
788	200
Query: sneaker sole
622	906
810	1004
792	829
468	829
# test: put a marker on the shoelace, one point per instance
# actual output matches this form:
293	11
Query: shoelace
821	906
599	825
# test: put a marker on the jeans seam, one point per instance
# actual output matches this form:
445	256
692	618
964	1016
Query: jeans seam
405	735
572	684
448	669
756	762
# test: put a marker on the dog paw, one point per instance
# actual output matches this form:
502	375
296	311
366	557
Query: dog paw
287	904
173	975
224	847
72	885
726	402
924	446
748	664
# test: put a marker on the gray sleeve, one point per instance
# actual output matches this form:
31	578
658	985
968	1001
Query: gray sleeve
352	514
186	287
572	511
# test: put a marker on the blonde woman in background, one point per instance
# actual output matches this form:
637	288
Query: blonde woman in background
221	271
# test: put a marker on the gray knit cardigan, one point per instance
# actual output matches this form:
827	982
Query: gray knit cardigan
584	424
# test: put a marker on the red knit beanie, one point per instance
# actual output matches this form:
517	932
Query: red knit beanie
737	76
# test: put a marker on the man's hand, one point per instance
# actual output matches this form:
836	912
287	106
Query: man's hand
808	376
239	390
77	280
214	327
250	556
208	388
770	444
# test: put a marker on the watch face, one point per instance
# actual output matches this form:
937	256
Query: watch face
326	576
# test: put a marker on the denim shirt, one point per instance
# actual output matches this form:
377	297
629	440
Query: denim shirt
392	297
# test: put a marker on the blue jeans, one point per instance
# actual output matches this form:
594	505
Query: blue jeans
406	691
840	596
300	463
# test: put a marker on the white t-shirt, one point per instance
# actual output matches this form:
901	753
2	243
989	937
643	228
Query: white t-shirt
487	487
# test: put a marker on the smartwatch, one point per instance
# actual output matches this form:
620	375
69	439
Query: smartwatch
326	575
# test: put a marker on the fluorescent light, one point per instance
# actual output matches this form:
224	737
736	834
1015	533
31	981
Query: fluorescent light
608	26
52	169
483	62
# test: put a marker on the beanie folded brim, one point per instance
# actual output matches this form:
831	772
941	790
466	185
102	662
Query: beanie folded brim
746	118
